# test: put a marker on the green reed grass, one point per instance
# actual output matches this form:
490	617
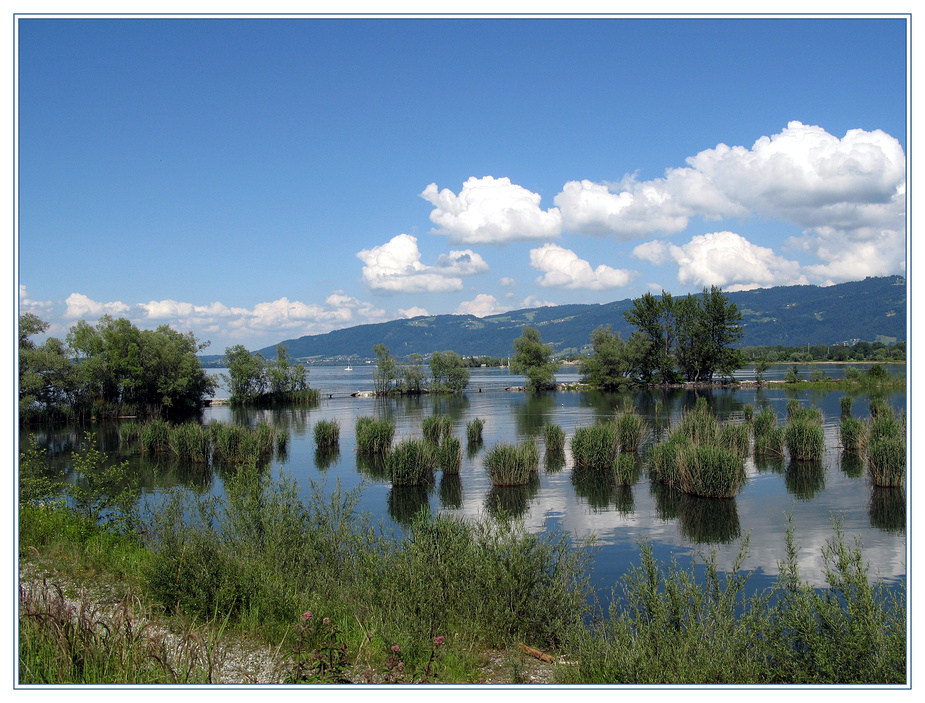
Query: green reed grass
885	425
736	437
129	434
764	421
626	469
436	427
804	436
700	423
512	464
553	437
886	461
845	402
770	442
474	430
879	406
710	471
374	436
748	412
327	434
411	462
595	446
449	455
155	436
631	431
190	441
853	433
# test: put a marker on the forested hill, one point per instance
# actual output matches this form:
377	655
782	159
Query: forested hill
871	310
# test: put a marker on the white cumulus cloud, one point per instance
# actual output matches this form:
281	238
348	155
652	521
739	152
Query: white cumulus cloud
491	211
36	307
80	306
396	267
414	311
563	269
482	305
724	259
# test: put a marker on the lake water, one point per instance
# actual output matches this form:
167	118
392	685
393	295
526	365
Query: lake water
560	499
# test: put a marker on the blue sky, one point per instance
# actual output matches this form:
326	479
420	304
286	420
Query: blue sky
255	180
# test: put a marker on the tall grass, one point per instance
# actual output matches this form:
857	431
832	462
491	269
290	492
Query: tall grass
374	436
631	431
671	625
474	430
853	433
449	455
626	469
155	436
327	434
436	427
595	446
701	456
710	470
804	436
512	464
553	437
411	462
886	461
190	441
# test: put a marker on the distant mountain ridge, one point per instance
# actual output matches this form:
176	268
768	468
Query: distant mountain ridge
871	310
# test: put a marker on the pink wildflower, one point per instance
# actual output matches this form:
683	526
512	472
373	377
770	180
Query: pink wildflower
439	640
395	648
307	615
326	621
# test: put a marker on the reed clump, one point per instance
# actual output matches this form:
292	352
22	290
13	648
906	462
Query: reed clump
474	430
154	436
626	469
853	433
631	430
702	457
190	441
804	435
769	436
595	446
374	436
553	437
327	434
449	455
886	448
512	464
436	427
411	462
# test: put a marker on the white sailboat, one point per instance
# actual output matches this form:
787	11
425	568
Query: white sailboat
349	368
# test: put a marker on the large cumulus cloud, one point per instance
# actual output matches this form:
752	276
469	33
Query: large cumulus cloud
562	268
491	211
396	267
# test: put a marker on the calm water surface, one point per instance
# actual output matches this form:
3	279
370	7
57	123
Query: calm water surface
559	498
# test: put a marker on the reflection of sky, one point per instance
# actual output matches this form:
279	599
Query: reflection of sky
760	509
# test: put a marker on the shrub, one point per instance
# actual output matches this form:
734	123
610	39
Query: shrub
554	437
327	434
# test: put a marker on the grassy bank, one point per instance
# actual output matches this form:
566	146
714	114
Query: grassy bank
339	599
